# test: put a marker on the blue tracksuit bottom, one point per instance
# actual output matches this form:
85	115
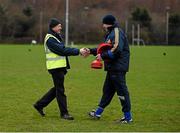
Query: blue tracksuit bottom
116	82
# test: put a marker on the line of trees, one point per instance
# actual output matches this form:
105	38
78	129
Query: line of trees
24	20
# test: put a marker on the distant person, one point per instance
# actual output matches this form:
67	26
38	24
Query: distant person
116	62
57	64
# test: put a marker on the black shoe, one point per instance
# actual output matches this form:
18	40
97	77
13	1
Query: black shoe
124	121
93	115
67	117
40	110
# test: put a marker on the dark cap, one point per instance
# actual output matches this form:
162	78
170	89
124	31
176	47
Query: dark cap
109	19
53	22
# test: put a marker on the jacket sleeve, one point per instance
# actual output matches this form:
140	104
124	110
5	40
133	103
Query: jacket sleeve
93	51
60	49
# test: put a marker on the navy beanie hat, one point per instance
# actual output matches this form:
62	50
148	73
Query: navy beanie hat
53	22
109	19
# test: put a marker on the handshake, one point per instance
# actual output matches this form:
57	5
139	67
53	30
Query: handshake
85	52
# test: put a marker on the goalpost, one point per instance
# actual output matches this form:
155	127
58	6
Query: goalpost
137	39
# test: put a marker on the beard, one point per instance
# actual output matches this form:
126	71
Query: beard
108	29
105	29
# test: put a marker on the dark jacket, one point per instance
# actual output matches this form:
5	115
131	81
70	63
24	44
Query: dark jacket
117	60
59	48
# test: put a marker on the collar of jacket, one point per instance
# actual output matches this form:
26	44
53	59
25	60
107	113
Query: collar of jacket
116	25
58	36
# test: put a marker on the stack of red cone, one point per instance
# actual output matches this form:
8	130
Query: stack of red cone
97	64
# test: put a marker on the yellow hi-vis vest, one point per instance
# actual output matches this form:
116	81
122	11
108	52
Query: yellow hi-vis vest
53	60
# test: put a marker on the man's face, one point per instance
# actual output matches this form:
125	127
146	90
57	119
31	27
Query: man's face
106	26
57	28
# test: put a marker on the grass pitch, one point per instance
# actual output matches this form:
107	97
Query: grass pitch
153	82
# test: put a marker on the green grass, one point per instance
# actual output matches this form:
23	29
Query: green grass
153	82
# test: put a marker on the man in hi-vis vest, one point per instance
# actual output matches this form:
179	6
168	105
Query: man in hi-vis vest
57	63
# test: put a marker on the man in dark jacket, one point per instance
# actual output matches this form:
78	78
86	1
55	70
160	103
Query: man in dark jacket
116	62
57	64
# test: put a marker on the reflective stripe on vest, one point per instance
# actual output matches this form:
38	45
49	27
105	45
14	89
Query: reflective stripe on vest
53	60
